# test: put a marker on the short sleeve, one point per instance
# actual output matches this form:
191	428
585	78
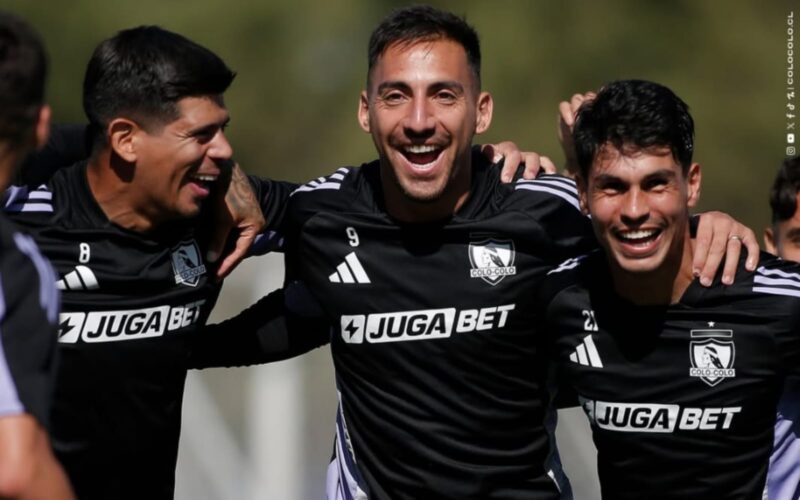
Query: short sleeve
552	203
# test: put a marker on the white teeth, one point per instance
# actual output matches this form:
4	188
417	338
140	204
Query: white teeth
426	166
205	177
638	235
420	149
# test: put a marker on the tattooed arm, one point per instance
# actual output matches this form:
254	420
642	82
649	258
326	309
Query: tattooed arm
238	210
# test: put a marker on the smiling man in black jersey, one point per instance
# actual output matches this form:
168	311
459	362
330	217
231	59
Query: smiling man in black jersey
680	382
123	232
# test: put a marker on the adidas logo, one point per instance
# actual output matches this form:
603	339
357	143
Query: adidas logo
349	271
82	278
586	354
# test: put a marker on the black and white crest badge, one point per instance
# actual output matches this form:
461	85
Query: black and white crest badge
187	264
712	353
492	260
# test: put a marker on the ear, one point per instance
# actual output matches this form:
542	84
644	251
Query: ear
363	111
582	196
485	108
122	138
769	241
693	178
43	126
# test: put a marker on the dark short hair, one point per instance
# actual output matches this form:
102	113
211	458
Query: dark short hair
422	23
23	70
783	196
143	72
637	114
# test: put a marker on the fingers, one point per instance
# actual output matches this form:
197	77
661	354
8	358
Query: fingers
243	244
710	245
496	152
720	236
223	224
547	165
216	245
532	164
568	110
750	241
733	249
241	210
511	160
740	236
536	164
566	114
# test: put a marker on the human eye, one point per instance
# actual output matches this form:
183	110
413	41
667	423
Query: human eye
205	135
611	187
446	96
393	97
656	184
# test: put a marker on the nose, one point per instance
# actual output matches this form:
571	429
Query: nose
220	148
635	209
419	121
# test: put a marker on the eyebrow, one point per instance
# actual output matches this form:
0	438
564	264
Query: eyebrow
399	84
793	233
395	84
605	178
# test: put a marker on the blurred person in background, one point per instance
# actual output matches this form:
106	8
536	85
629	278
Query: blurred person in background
28	298
782	238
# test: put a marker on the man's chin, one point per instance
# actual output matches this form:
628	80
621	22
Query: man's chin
190	211
421	192
638	266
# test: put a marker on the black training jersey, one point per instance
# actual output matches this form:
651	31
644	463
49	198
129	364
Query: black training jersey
681	398
131	303
28	314
439	367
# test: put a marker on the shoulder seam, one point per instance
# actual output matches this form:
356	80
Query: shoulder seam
556	185
331	182
22	199
776	282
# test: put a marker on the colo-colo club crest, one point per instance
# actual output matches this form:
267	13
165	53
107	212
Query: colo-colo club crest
187	264
712	353
492	260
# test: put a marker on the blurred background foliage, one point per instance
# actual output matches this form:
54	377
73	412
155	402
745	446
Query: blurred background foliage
301	65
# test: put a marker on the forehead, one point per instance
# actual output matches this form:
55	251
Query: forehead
422	61
633	162
199	110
